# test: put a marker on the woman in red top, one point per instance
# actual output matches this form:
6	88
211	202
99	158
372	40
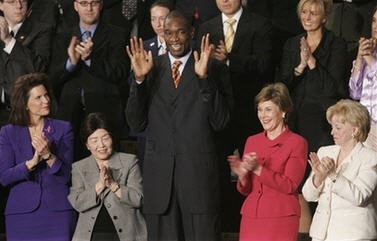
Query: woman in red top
270	171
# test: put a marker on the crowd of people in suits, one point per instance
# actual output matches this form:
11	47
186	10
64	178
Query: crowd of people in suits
214	92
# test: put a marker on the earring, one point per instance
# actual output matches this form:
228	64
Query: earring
353	135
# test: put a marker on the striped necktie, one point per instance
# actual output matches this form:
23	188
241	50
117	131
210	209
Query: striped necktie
229	35
175	73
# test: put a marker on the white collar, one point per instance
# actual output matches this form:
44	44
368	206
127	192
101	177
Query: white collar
236	16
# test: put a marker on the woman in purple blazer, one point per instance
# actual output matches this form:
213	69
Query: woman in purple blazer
36	153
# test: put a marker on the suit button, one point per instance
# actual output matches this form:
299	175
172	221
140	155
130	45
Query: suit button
120	230
93	217
89	231
108	205
115	217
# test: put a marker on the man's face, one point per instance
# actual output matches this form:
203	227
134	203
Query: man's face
89	11
14	11
228	7
158	15
178	34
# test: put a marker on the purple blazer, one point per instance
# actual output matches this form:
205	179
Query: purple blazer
28	189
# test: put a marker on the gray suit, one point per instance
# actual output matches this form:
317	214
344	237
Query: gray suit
124	211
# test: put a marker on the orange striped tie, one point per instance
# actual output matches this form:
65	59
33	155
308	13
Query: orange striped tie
175	73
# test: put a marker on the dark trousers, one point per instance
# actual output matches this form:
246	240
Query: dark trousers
179	225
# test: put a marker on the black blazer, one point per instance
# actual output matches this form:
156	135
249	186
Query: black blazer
30	54
102	87
315	90
180	125
250	63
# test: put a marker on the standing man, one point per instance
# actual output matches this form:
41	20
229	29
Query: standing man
243	41
181	99
89	69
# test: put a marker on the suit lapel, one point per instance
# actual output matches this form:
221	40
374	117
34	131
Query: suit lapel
218	31
24	140
99	37
242	29
25	33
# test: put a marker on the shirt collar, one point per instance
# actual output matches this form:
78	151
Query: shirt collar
183	59
15	28
236	16
159	43
91	30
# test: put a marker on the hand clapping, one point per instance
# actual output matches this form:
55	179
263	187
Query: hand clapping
321	168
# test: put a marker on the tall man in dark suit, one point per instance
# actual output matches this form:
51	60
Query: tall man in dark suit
181	99
243	41
91	76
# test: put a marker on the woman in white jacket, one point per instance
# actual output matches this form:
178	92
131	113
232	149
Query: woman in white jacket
343	179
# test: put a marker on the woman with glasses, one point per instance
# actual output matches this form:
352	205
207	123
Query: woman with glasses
106	189
36	153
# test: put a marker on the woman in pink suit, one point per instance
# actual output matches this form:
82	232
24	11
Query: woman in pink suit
270	171
36	153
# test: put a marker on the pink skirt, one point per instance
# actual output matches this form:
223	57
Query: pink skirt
269	229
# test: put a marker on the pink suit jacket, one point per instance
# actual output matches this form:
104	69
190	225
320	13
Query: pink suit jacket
274	192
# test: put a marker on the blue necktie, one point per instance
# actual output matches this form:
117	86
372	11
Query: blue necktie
85	35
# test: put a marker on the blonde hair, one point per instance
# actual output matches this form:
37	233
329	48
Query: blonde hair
278	93
354	113
324	5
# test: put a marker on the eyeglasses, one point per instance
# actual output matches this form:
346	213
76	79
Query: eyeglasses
86	3
14	2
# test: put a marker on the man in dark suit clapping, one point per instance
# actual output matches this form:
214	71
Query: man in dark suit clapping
243	41
89	70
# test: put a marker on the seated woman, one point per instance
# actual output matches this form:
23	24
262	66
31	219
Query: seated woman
36	153
106	189
343	179
363	81
270	171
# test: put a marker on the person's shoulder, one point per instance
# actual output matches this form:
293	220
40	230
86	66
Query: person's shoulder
81	164
111	31
332	39
126	158
256	138
9	128
60	123
298	138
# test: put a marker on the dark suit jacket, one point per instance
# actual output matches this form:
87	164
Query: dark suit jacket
180	125
315	90
104	83
28	189
152	45
249	64
30	53
112	13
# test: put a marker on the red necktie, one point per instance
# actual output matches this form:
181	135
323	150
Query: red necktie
175	73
